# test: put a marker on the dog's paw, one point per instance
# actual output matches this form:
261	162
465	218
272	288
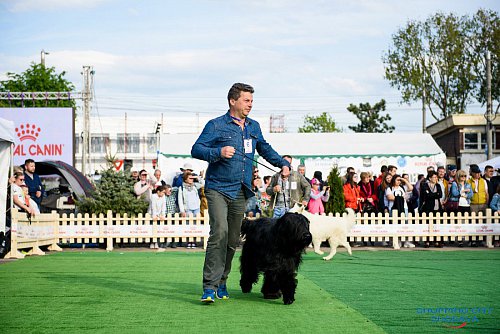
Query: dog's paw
319	252
246	288
276	295
288	301
327	258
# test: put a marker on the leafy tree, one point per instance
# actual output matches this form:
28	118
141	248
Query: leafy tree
321	123
37	78
441	57
371	120
336	202
115	192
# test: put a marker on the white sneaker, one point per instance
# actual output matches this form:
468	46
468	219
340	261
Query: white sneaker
152	246
409	245
156	245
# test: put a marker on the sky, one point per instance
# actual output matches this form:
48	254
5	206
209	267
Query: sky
181	57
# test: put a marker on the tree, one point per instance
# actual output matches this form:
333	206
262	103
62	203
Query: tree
371	120
321	123
37	78
439	57
336	202
115	192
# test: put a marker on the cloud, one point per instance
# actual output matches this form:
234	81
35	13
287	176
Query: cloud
49	5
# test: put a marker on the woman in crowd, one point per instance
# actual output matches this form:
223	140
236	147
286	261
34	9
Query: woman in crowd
351	192
253	203
317	198
367	193
430	198
495	201
396	198
188	199
382	199
460	194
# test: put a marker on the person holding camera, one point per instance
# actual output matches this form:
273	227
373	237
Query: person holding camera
318	197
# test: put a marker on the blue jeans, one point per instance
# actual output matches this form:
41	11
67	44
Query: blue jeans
279	212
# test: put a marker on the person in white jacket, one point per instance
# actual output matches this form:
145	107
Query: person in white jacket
157	205
188	197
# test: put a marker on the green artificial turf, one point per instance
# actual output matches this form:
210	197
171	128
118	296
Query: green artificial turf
148	292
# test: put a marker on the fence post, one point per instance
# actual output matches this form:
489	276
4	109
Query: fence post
109	237
395	237
54	247
14	252
489	238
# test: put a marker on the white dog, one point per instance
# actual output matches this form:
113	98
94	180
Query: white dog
333	229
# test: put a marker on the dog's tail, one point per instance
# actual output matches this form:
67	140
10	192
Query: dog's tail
351	218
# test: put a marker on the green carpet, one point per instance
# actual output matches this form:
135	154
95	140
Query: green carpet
147	292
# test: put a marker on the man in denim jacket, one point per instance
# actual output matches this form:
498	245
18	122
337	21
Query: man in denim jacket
228	143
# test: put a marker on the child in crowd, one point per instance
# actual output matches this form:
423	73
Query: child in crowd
318	197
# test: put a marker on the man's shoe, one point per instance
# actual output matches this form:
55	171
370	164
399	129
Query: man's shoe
222	292
208	296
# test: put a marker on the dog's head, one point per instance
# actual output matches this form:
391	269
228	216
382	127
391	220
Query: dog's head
292	232
297	208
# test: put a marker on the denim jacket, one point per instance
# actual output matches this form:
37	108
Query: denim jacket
228	175
455	192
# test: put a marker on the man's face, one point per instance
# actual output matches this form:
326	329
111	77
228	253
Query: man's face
475	175
157	174
30	167
302	170
243	105
489	172
393	171
441	173
452	172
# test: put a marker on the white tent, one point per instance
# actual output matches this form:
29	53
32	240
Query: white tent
6	141
410	152
495	163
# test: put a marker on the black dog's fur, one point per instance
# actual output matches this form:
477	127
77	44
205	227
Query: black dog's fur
274	247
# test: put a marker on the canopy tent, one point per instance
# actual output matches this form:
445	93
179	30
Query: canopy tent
6	141
410	152
495	163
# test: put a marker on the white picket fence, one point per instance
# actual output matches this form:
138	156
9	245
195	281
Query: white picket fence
52	229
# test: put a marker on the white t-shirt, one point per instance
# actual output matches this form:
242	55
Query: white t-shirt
18	192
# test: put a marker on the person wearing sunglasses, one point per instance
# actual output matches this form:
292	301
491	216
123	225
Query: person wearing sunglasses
18	194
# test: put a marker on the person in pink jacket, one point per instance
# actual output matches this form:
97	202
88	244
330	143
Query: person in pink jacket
318	197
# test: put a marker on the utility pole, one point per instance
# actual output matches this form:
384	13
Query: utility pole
489	116
87	97
42	57
424	130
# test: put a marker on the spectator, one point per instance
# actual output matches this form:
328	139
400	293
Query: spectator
33	182
452	174
317	197
134	174
253	203
348	171
352	197
396	198
367	193
143	188
287	190
302	171
18	194
188	197
185	170
171	206
392	170
265	197
29	201
495	201
319	176
479	187
460	194
444	185
491	181
430	198
380	178
157	180
157	208
383	203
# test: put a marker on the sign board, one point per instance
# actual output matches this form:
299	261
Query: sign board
42	133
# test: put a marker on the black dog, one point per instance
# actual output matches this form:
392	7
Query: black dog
274	247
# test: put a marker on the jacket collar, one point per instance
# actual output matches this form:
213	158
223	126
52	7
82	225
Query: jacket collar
228	119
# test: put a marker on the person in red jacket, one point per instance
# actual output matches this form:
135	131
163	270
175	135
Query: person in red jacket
368	193
351	192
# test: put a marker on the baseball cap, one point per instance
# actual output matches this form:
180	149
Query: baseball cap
187	166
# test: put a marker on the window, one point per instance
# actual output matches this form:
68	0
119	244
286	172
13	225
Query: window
99	143
129	144
151	143
474	141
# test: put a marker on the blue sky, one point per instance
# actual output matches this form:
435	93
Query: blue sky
181	57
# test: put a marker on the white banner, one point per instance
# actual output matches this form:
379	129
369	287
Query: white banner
133	231
421	230
34	231
42	133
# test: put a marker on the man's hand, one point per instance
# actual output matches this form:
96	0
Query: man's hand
277	188
227	152
285	172
304	203
38	193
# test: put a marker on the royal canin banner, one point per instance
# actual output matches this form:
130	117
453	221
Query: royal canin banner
42	133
